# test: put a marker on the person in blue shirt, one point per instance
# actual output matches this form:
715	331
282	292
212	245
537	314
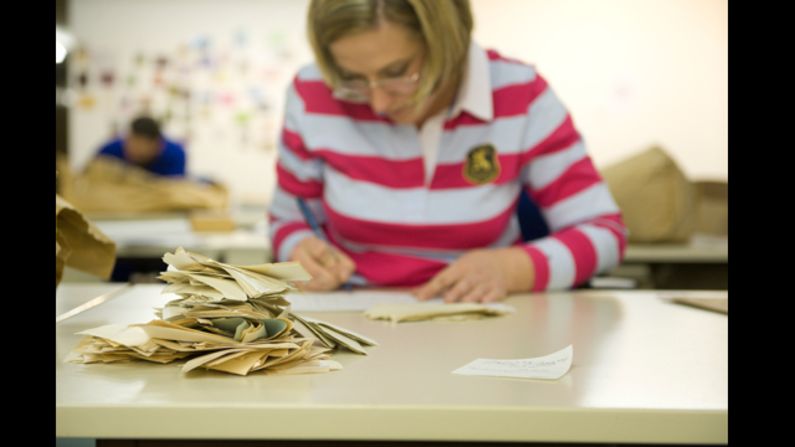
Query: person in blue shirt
146	147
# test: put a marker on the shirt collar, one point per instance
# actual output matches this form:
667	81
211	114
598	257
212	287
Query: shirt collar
474	95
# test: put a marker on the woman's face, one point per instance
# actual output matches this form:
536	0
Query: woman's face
388	52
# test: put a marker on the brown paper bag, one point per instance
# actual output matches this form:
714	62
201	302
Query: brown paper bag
657	201
108	185
212	222
713	207
79	244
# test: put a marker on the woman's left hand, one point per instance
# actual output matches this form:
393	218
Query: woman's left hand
481	276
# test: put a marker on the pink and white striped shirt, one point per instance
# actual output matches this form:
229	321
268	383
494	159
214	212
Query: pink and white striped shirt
403	203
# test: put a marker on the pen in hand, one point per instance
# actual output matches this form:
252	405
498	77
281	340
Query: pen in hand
310	219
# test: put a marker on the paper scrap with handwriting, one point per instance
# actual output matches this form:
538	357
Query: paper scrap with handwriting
550	367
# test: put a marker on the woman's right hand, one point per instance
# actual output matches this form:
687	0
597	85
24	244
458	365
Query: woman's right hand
328	266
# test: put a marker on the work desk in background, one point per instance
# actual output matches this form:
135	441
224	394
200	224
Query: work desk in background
701	263
645	371
700	249
153	235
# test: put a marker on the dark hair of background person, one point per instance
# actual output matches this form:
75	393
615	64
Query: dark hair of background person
145	126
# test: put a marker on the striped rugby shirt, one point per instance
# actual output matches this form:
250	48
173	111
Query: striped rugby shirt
404	203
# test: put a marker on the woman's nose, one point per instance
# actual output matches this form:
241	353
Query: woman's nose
379	100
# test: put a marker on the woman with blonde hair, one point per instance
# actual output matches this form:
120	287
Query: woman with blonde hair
410	145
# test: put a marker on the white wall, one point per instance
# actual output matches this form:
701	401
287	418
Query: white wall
632	72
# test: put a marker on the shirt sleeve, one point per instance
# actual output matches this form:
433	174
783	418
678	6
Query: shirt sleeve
173	162
587	234
299	174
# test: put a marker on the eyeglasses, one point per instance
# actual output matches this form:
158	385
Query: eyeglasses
359	90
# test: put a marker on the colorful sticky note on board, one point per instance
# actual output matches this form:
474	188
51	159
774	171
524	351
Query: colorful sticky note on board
86	101
242	117
241	38
81	56
82	79
226	99
107	77
221	76
179	92
201	42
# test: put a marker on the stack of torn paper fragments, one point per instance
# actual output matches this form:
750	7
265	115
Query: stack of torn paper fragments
228	318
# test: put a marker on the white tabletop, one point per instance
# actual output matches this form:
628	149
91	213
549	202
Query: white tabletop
153	236
699	249
644	370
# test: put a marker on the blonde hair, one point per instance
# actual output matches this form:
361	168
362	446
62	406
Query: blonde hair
443	26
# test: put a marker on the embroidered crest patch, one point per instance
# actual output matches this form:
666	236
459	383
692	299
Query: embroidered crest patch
482	165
